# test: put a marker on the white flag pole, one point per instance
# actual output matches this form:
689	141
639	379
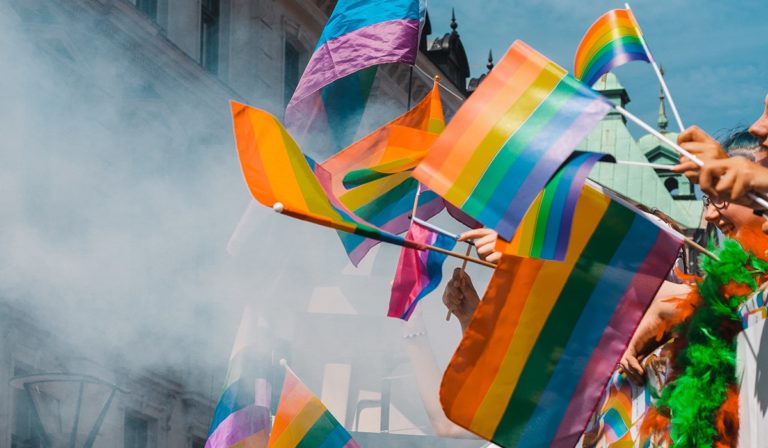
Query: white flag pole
658	73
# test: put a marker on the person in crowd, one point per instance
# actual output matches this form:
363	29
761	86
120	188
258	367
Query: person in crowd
721	177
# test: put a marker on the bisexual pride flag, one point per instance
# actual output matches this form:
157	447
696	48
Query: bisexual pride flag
419	272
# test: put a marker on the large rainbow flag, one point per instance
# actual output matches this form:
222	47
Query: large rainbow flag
276	171
545	230
546	337
418	272
302	420
510	137
372	177
613	40
242	416
359	35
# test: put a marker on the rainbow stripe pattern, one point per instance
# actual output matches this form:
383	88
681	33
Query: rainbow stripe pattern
359	35
510	137
242	415
418	272
546	228
302	421
545	339
275	170
613	40
372	177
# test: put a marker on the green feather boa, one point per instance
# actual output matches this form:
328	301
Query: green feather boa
707	365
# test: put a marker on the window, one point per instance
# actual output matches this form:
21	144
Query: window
209	35
26	426
198	442
138	432
148	7
291	71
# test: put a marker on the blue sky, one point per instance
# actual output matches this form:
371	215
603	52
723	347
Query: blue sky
714	53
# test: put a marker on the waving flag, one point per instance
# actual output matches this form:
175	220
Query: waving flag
302	420
242	416
359	35
418	273
509	138
277	172
546	337
613	40
372	177
546	228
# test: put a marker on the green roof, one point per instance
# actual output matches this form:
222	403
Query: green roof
639	183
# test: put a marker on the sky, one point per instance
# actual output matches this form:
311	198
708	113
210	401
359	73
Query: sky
713	52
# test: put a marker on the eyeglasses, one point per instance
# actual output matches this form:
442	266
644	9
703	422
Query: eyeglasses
719	205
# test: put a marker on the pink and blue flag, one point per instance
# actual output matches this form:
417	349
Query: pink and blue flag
242	416
419	272
360	34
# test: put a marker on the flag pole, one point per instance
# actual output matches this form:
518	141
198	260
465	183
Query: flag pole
278	207
646	127
658	72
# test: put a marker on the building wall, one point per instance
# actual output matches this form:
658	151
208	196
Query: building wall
153	73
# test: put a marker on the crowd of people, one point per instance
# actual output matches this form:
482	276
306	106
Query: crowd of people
734	170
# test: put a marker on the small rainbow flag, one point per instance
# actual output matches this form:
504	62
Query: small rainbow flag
242	416
418	273
509	138
303	421
336	83
546	228
372	177
546	337
613	40
276	171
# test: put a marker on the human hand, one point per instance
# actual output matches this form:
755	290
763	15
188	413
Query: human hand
485	243
460	297
630	365
732	179
700	144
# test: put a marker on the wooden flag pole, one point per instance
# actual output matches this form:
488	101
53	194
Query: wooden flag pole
759	200
458	255
658	74
463	267
700	248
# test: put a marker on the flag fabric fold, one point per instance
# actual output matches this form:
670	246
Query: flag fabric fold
546	337
418	272
276	171
242	415
613	40
302	420
359	35
546	227
510	137
372	178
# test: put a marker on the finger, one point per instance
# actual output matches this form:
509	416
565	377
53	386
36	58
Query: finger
724	185
739	188
684	166
494	257
475	234
706	178
693	134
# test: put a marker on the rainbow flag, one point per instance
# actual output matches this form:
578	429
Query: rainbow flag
509	138
303	421
276	171
334	88
613	40
372	177
242	416
546	337
418	273
546	227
